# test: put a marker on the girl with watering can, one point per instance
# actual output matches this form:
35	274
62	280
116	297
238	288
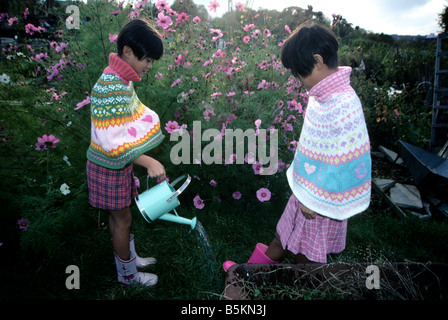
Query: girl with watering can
122	130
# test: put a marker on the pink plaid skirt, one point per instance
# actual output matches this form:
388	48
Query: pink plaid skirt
314	238
110	189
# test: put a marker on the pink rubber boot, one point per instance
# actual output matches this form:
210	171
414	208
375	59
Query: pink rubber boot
258	256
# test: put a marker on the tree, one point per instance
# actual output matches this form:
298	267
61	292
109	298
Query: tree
190	8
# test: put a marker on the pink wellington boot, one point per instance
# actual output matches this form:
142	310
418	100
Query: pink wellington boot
258	256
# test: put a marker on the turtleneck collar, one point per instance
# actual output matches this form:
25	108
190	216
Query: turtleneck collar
337	82
123	70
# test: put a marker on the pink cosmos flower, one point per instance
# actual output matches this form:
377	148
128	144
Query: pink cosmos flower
213	183
206	63
236	195
60	47
162	5
239	6
134	13
232	157
218	32
3	16
215	95
247	27
246	39
287	28
113	38
25	13
38	57
293	145
258	167
219	54
263	85
208	113
46	141
158	75
81	104
115	12
180	59
196	19
267	33
171	126
163	21
198	202
213	5
11	21
23	224
181	17
249	158
263	195
30	29
176	82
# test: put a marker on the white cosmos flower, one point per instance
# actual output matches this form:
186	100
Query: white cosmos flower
65	190
4	78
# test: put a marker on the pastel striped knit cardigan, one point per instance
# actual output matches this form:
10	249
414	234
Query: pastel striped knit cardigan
122	128
331	170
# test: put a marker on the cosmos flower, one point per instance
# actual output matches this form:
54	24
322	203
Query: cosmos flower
213	5
171	126
263	195
46	141
198	202
258	168
240	6
81	104
23	224
65	190
162	5
163	21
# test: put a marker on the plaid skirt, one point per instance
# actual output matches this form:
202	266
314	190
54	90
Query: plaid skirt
110	189
314	238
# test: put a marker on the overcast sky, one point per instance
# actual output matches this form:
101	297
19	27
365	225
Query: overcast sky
403	17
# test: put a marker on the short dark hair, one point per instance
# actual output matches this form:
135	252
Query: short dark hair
142	38
297	52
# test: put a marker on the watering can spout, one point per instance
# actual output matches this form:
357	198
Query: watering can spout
175	218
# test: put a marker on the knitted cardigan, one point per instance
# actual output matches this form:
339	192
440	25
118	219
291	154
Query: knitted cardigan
331	170
122	128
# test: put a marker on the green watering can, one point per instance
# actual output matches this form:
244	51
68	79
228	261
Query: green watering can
157	202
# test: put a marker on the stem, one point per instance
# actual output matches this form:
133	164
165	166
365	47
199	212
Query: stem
48	179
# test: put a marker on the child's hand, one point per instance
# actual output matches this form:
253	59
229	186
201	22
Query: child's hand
308	213
155	168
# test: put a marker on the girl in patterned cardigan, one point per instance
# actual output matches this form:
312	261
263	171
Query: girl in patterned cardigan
122	130
330	175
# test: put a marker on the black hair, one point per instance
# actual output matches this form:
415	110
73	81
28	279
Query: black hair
142	38
297	52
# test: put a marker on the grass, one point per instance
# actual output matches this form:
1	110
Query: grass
185	271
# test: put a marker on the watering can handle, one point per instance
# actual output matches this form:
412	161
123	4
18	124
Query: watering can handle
182	187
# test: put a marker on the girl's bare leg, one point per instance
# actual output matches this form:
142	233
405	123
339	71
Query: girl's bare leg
275	250
120	225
